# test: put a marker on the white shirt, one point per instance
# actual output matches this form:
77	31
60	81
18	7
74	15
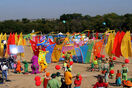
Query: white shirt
4	67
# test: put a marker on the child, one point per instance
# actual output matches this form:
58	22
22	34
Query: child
77	81
92	66
46	79
65	66
100	63
111	65
100	83
118	79
124	72
106	70
25	66
18	68
95	63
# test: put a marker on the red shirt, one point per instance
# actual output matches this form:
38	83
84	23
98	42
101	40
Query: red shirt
97	85
77	82
45	82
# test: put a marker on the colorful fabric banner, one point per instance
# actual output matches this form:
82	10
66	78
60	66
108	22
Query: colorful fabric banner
57	53
109	45
42	55
126	45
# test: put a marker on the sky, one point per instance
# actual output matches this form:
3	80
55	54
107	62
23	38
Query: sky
33	9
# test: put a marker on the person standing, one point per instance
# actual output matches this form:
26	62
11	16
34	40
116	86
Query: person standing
46	79
53	83
118	79
78	81
68	78
4	71
106	70
124	72
58	78
100	63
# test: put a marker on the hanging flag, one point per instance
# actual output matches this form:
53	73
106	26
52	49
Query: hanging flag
126	45
41	57
13	39
20	40
50	42
120	41
16	39
109	45
43	38
4	37
98	47
34	47
88	33
97	35
115	44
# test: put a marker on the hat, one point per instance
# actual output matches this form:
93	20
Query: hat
47	74
128	83
78	74
69	69
53	75
58	74
123	65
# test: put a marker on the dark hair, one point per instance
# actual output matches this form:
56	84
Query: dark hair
118	71
58	74
100	79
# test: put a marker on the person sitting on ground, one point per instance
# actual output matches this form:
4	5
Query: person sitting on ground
78	81
58	78
53	83
68	78
100	83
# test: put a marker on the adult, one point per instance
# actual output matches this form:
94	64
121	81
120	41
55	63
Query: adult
68	78
4	69
53	83
46	79
58	78
124	72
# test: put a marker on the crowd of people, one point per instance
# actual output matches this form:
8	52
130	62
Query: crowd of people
58	80
106	67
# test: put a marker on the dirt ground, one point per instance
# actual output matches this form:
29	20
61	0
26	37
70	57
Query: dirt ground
89	78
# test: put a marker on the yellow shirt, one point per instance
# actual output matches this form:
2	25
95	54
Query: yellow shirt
68	78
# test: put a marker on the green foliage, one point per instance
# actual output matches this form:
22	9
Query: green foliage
74	23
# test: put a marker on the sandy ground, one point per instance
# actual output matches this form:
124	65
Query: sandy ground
89	78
